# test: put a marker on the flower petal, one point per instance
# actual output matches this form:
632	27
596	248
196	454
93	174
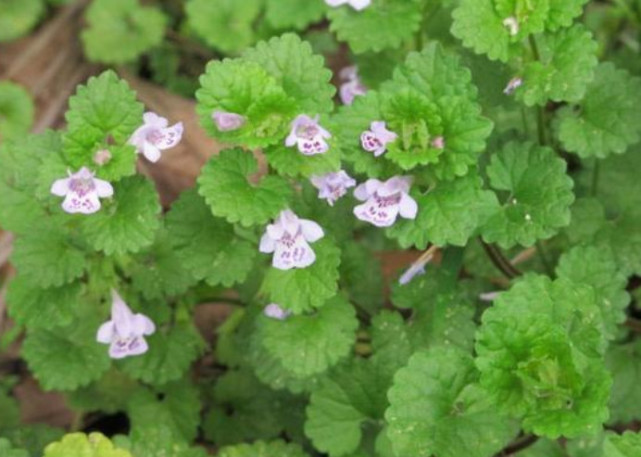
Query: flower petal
267	244
142	325
103	188
151	152
311	230
105	333
85	204
376	213
171	136
408	207
60	187
297	255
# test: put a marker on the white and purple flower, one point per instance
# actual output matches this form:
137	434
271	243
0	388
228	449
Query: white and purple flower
377	138
352	86
438	142
512	85
155	135
274	311
385	201
358	5
308	135
126	331
228	122
332	186
288	238
82	192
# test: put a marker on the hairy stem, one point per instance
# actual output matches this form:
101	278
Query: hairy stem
500	261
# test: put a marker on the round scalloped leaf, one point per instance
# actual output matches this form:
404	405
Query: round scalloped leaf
349	123
544	336
606	121
169	356
18	17
78	444
624	363
308	345
247	89
16	110
34	307
74	348
294	14
597	267
568	61
303	289
128	222
540	195
300	72
102	115
384	24
156	440
263	449
563	12
121	30
291	162
436	409
206	245
448	214
224	183
47	256
227	25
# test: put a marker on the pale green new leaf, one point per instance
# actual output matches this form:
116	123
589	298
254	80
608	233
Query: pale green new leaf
303	289
606	121
537	195
78	444
307	345
225	184
436	409
121	30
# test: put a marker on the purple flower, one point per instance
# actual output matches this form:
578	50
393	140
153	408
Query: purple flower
332	186
385	201
227	122
288	239
82	192
352	86
438	142
274	311
308	135
155	136
514	84
358	5
376	139
102	157
125	332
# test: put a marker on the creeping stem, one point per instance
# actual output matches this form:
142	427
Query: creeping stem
500	261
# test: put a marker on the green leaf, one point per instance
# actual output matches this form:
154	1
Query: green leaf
225	25
121	30
158	271
292	163
102	115
303	289
597	268
544	336
543	448
626	445
73	347
127	223
109	394
157	441
539	195
48	256
563	12
169	357
300	72
351	396
384	24
566	67
308	345
391	343
175	407
362	276
624	363
604	122
33	438
436	409
16	110
450	213
18	17
206	245
293	14
245	88
225	185
78	444
263	449
35	307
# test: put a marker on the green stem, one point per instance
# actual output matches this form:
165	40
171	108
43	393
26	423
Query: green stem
540	115
596	171
77	422
545	260
534	47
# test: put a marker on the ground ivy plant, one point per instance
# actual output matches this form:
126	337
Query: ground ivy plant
496	141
